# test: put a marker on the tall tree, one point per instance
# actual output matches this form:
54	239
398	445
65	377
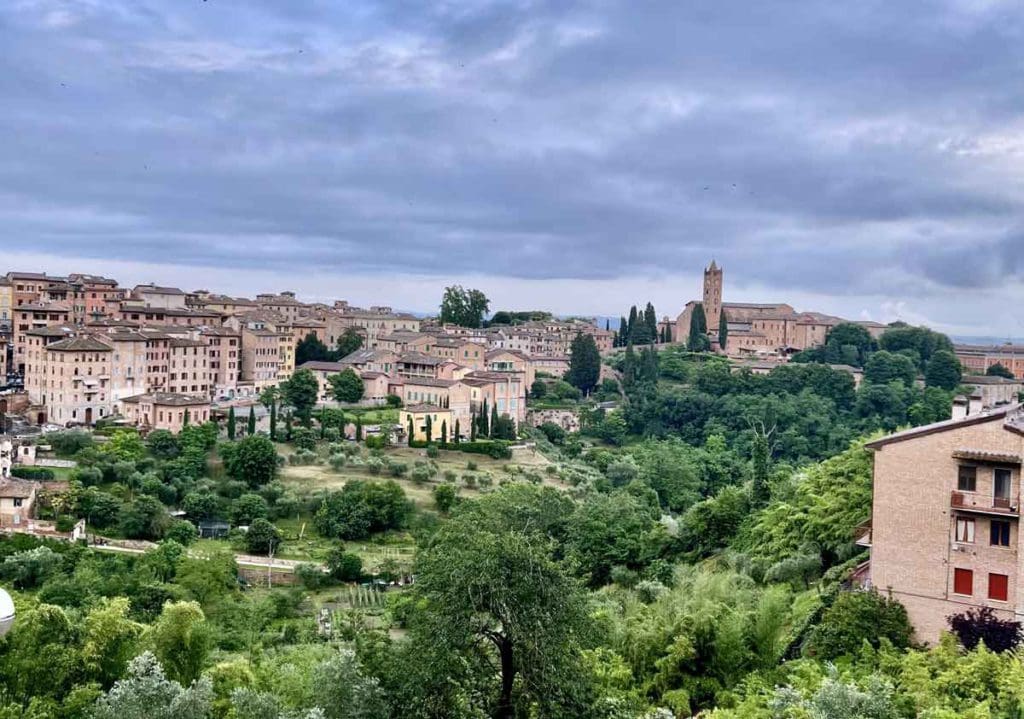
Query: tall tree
231	423
584	363
349	342
943	370
494	421
999	370
760	461
698	341
723	330
273	421
346	386
623	332
462	307
429	423
650	322
455	433
301	392
251	425
632	324
444	432
310	349
488	582
411	429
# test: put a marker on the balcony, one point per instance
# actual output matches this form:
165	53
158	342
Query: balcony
980	504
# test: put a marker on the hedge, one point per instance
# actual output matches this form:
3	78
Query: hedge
41	473
496	449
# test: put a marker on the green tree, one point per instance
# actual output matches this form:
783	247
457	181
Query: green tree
943	370
584	363
884	367
698	338
488	582
346	386
181	640
349	342
858	617
301	391
760	468
344	566
273	421
231	423
146	693
250	427
999	370
310	349
252	460
445	497
613	530
262	536
163	444
462	307
723	330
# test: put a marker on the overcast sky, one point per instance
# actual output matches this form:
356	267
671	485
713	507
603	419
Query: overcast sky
860	158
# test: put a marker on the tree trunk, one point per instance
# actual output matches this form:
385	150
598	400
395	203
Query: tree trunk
508	676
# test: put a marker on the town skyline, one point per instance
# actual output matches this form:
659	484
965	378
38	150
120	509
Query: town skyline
579	157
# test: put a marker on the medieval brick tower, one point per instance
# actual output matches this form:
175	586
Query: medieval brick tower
713	297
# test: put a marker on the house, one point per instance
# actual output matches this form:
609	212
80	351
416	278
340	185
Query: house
323	371
438	417
945	524
165	410
17	501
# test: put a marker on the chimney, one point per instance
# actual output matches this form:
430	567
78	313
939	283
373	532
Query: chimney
959	407
976	403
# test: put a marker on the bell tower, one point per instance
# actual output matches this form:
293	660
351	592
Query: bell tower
713	297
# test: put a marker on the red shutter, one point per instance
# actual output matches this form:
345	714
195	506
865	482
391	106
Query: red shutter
998	587
963	581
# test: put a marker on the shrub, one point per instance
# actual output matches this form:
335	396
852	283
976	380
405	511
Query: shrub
393	400
65	523
397	469
68	443
432	451
311	576
856	617
422	474
445	497
982	625
449	475
35	473
182	532
344	566
374	465
332	434
337	462
302	457
471	466
88	476
376	441
304	438
469	480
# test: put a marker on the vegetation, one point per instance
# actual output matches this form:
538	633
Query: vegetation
466	308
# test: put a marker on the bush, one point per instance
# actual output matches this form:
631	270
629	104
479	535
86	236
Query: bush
856	617
397	469
432	451
68	443
374	465
35	473
261	536
65	523
88	476
449	475
471	466
332	434
422	474
302	457
982	625
304	438
469	480
376	441
311	576
337	462
182	532
445	497
393	401
554	433
344	566
362	508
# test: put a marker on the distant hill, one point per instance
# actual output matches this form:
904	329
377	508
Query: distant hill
965	340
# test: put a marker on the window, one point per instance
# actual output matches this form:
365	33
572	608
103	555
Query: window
965	530
1001	484
963	582
1000	533
998	587
967	479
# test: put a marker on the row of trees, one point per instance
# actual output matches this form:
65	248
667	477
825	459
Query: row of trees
639	328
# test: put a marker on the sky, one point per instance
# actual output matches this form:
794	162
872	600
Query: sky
862	159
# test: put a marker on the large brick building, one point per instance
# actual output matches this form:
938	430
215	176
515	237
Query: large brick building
976	359
945	533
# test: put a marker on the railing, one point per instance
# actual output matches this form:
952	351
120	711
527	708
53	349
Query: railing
970	502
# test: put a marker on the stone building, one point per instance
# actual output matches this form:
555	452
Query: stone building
945	524
165	410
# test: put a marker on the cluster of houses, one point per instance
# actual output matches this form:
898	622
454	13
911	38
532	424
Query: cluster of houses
85	349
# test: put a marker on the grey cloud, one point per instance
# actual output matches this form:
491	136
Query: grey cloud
807	146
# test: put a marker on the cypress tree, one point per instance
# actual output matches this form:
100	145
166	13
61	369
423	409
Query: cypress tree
411	427
251	427
632	325
455	434
231	424
359	428
184	422
651	323
444	432
723	330
584	363
430	429
494	420
472	429
623	332
698	341
288	427
273	421
484	430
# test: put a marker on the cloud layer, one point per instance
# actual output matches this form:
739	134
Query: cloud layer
862	156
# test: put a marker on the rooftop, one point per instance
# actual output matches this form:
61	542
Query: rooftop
168	399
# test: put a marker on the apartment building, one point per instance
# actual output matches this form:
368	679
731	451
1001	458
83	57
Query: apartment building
34	315
945	525
74	381
378	322
224	353
261	358
189	367
159	297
